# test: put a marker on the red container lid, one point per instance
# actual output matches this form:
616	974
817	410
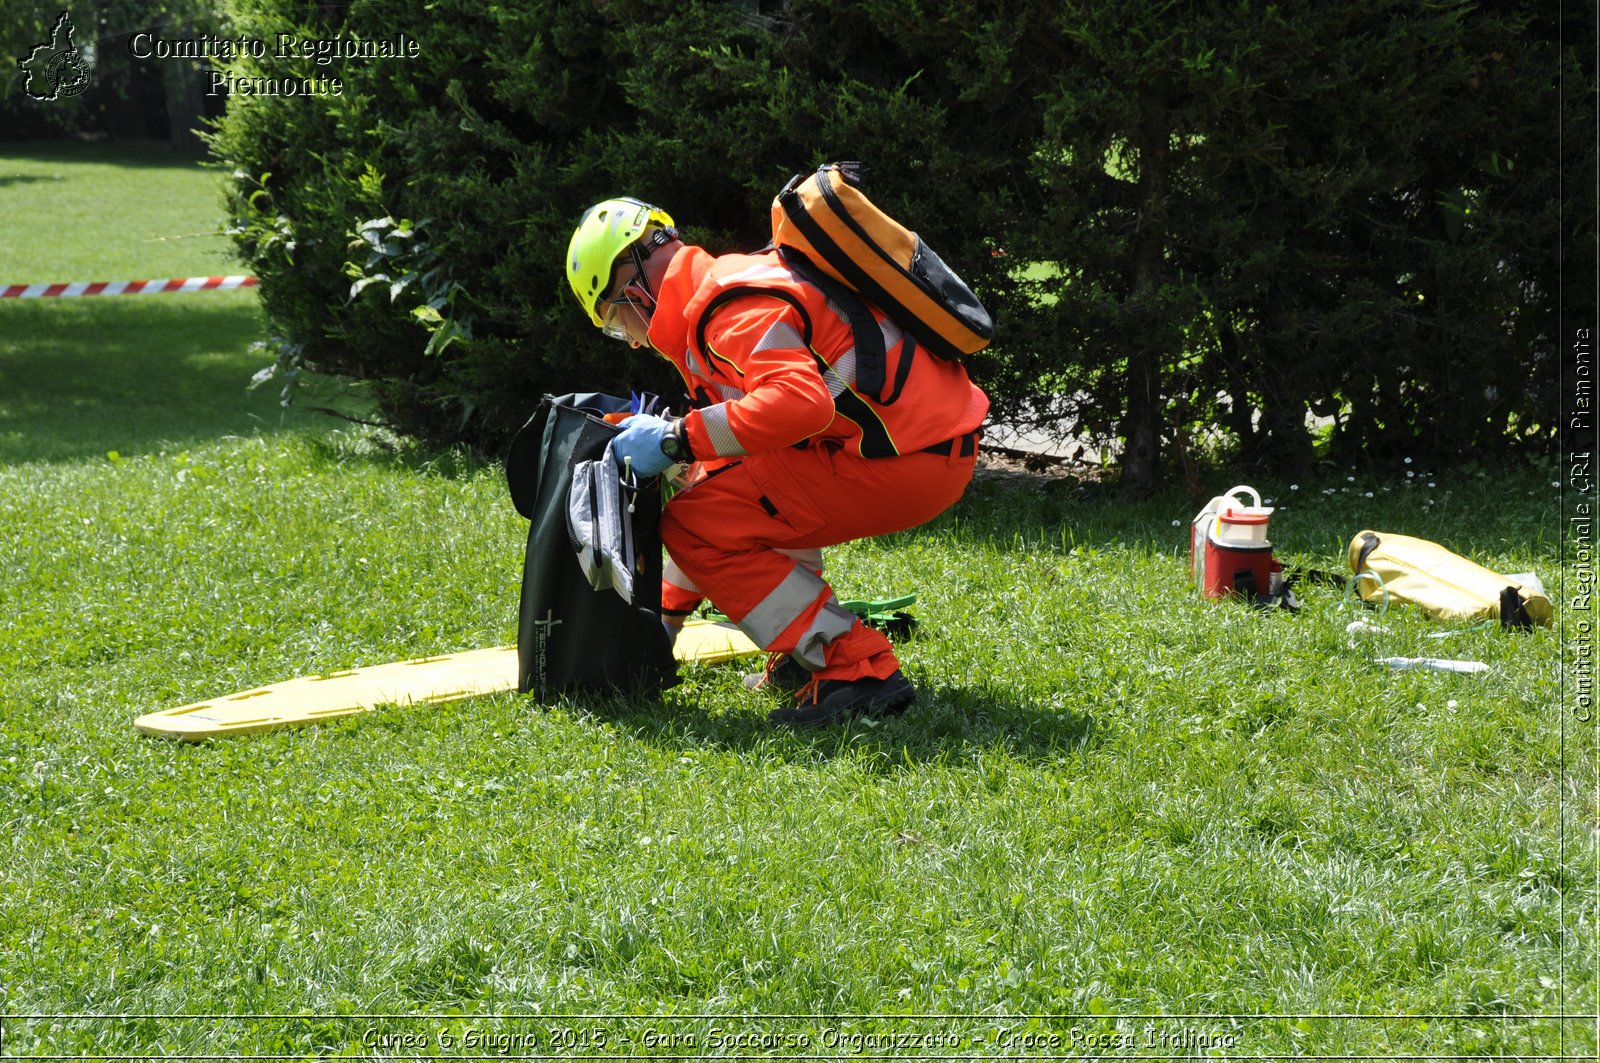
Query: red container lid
1234	516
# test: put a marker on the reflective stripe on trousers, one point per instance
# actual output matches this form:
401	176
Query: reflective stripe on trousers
680	594
734	536
791	601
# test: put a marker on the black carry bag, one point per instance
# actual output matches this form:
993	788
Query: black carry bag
572	638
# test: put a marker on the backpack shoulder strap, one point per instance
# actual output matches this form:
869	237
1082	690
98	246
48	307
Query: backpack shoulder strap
728	295
875	441
871	357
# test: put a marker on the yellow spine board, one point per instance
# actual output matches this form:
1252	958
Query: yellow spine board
425	680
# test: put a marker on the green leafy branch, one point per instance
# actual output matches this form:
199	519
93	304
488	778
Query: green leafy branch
399	257
259	229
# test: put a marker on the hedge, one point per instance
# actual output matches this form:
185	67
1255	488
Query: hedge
1195	227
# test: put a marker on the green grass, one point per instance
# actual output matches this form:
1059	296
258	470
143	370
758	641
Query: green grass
1111	800
78	212
83	377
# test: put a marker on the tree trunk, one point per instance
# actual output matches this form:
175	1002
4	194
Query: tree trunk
185	89
1141	425
1285	440
1283	421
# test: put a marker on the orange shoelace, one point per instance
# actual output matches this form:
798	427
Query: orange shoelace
773	660
812	691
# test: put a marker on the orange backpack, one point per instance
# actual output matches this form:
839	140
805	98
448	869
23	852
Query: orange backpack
832	235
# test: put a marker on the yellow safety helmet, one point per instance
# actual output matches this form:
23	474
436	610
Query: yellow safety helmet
606	231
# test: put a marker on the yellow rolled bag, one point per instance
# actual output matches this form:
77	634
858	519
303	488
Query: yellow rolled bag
1444	585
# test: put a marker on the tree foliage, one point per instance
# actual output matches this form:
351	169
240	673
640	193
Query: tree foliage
127	98
1195	225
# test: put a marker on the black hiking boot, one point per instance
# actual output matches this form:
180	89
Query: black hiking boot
830	701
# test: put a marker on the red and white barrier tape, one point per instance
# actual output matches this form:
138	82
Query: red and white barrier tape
176	284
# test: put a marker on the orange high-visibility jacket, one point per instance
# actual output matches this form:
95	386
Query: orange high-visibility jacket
758	385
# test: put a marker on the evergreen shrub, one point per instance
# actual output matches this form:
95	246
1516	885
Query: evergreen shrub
1194	227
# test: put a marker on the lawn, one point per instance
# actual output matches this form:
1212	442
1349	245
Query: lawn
1119	820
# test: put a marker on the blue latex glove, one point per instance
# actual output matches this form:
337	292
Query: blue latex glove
640	439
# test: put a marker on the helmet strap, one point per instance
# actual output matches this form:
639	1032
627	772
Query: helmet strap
659	238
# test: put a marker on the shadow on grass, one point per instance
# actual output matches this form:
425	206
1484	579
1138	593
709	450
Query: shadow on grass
382	449
1514	509
1059	516
949	723
133	374
151	154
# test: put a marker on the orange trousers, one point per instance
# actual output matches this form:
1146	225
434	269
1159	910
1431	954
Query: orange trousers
746	534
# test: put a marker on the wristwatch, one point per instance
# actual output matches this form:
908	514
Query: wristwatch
675	444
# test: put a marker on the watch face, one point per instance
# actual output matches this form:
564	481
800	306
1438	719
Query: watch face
672	447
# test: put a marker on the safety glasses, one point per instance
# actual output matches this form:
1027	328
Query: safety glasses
611	317
612	322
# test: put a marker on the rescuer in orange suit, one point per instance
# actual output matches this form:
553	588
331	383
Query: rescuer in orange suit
784	455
